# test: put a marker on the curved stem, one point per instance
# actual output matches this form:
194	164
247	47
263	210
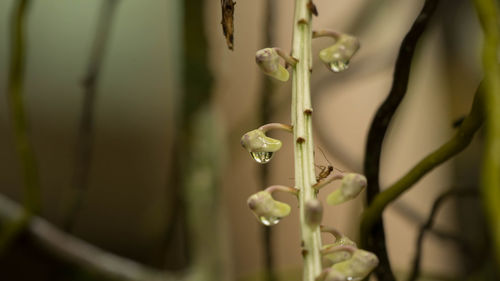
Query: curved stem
305	177
288	59
326	33
282	188
428	225
325	181
459	142
332	231
276	126
487	11
334	249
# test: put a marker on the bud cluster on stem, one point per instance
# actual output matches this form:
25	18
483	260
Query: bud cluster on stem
347	262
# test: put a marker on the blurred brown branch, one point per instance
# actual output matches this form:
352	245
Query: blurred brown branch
78	252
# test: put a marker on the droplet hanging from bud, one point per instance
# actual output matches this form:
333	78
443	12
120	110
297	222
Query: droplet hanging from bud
352	185
337	56
262	157
267	210
260	146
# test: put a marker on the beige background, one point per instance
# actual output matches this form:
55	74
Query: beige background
126	207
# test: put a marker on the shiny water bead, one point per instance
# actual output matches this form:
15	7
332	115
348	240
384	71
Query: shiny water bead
262	157
269	221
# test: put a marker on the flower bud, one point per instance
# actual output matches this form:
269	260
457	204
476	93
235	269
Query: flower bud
352	185
314	212
356	268
260	146
268	61
338	256
337	56
267	210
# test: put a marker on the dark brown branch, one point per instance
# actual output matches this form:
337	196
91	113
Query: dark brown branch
376	242
415	271
83	153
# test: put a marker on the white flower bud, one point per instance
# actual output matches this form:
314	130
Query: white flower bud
352	185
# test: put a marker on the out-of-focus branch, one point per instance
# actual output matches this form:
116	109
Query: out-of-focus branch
415	271
78	252
378	129
267	91
487	11
20	123
373	213
90	83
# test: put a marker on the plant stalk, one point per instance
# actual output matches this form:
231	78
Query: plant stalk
487	11
301	120
20	125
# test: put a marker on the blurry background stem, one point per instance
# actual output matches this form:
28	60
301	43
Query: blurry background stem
374	237
20	125
267	91
83	150
415	270
198	155
487	11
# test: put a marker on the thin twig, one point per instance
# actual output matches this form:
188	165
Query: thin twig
378	130
430	221
487	11
83	154
20	124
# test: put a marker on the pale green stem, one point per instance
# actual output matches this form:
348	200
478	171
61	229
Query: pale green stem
326	33
282	188
288	59
334	249
487	11
332	231
25	151
305	177
276	126
325	181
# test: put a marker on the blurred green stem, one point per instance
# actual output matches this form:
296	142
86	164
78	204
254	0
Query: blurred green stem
267	91
29	169
459	142
305	177
487	11
86	130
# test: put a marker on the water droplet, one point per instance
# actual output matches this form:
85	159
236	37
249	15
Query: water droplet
262	157
339	65
269	221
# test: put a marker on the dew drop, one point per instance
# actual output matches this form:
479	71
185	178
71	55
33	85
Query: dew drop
339	65
262	157
269	221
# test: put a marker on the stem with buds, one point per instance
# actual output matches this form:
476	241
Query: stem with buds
301	121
